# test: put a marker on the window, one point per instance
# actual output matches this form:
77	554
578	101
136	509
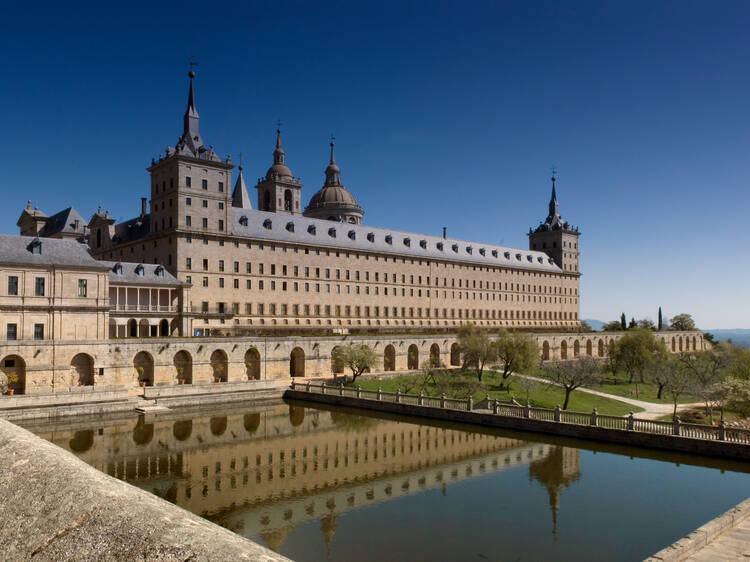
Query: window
11	332
188	220
188	263
221	189
12	285
205	281
221	282
39	287
204	184
188	181
38	331
221	205
82	287
204	306
204	223
221	224
188	201
221	265
205	265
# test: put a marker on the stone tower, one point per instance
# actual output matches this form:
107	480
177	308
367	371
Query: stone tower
333	201
557	238
279	191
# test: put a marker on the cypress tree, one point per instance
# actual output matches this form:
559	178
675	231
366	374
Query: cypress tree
660	321
623	321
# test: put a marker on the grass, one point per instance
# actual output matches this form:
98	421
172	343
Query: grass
541	395
698	415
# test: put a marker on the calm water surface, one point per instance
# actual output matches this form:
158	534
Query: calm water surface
331	484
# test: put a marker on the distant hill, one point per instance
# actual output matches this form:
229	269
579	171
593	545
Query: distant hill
738	336
596	325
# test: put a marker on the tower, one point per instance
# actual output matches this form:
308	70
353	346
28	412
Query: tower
333	201
557	238
279	191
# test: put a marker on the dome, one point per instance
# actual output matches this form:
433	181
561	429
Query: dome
280	170
332	194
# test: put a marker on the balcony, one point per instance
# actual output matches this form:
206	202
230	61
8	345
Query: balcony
161	308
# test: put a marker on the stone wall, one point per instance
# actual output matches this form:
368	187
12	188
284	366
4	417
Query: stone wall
56	507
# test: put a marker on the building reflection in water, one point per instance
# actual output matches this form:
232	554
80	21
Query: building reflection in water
262	472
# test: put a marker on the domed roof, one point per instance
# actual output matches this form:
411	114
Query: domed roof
332	195
279	170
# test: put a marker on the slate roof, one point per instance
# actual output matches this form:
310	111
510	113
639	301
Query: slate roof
339	235
64	222
54	252
127	274
133	229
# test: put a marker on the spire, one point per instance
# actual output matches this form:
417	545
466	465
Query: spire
553	207
333	172
191	113
278	154
240	197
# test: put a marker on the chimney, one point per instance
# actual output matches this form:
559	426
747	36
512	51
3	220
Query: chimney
143	207
445	232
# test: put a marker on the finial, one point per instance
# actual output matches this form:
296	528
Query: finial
332	144
28	204
554	171
240	161
191	64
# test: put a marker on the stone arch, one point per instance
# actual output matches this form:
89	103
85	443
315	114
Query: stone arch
112	328
412	357
174	328
82	370
297	362
296	415
337	367
252	364
600	348
132	328
434	355
183	365
455	355
251	422
164	328
576	348
82	441
182	429
545	351
674	345
679	342
589	348
218	425
389	358
143	432
143	364
14	367
694	343
563	349
219	366
144	329
288	200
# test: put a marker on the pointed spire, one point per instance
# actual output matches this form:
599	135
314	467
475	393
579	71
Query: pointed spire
333	160
554	211
278	154
333	172
191	113
240	197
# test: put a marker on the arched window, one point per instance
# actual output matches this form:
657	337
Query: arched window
267	201
288	200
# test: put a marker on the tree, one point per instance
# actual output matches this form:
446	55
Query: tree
476	347
515	352
660	322
623	322
358	357
646	324
677	381
613	359
585	327
682	322
656	367
634	350
574	374
613	326
633	323
527	384
707	369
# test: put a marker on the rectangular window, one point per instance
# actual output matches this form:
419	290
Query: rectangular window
221	187
188	220
236	267
204	223
82	287
221	205
221	282
236	283
248	267
205	281
205	265
221	224
189	263
38	331
204	203
39	287
11	332
188	202
247	284
13	285
204	306
204	184
188	181
221	265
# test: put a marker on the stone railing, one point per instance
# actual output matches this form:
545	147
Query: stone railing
556	415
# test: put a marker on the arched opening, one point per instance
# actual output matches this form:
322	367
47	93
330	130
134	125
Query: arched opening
218	425
267	201
112	328
434	355
251	422
297	363
132	329
673	345
337	367
563	350
252	364
694	343
164	328
174	328
143	329
545	351
82	441
183	365
389	358
82	370
589	348
143	432
455	355
219	366
13	368
680	343
601	348
412	357
144	368
182	429
576	348
288	200
296	415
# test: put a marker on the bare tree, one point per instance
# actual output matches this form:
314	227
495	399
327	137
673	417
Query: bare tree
527	384
571	375
678	380
707	369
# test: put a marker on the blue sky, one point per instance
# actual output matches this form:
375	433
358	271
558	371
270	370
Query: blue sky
445	114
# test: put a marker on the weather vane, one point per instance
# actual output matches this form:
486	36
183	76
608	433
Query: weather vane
332	138
191	62
278	123
554	172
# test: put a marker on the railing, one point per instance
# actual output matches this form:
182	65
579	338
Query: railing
143	308
556	415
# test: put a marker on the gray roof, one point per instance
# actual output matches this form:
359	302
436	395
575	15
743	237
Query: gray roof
133	229
129	273
64	222
52	252
283	228
240	197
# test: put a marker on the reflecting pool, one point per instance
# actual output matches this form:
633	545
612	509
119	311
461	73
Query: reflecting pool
317	483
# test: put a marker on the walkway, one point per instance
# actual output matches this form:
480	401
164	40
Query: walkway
733	544
651	410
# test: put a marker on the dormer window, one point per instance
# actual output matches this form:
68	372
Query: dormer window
540	260
388	239
332	232
370	237
117	269
518	257
469	249
243	220
423	244
440	246
35	247
530	258
407	241
455	248
267	224
311	229
494	253
352	235
290	226
159	271
481	251
140	270
507	255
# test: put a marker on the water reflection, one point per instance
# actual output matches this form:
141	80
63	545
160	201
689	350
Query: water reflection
285	470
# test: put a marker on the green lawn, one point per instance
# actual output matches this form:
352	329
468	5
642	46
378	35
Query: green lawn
542	395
